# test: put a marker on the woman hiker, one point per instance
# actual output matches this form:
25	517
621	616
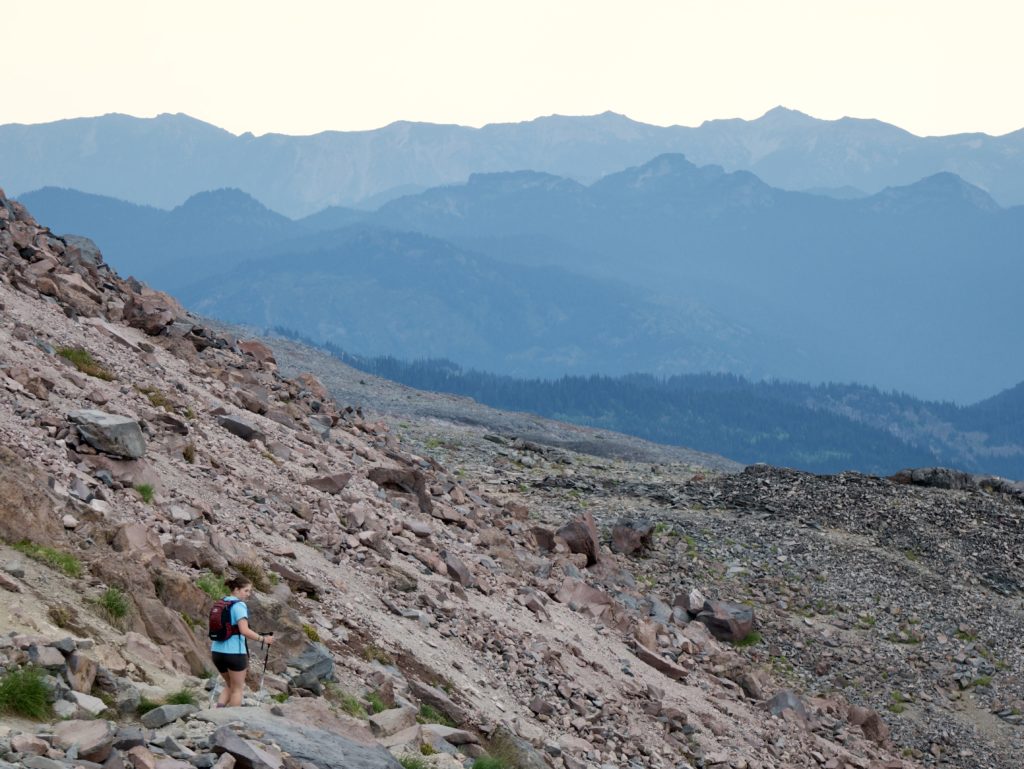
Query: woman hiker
231	657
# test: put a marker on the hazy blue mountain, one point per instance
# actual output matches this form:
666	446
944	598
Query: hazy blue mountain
910	268
164	160
929	271
208	233
410	295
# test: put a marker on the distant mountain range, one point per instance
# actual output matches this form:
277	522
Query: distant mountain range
163	161
824	428
914	288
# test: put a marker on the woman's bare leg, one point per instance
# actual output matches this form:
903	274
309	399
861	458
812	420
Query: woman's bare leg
236	679
225	690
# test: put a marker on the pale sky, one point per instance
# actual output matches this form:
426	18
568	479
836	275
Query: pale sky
299	66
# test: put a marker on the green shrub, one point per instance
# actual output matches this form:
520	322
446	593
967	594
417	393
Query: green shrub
489	762
430	715
213	585
146	705
24	693
377	704
182	697
82	360
279	697
115	604
156	397
311	633
146	491
55	559
372	652
351	705
750	639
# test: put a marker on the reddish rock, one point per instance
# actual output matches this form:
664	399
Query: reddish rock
630	537
727	621
258	350
580	536
331	484
151	311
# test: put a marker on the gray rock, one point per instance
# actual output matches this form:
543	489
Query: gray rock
42	762
113	434
166	714
305	743
315	664
787	700
518	751
240	426
392	721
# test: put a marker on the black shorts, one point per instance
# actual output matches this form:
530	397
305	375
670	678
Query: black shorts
234	662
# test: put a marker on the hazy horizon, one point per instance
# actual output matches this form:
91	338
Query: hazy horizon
931	70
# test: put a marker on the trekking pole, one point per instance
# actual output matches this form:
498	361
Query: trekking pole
261	695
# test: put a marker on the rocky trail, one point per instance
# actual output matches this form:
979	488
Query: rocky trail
443	592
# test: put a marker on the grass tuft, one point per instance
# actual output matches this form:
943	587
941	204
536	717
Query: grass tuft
255	574
489	762
82	360
413	762
55	559
311	633
182	697
24	693
372	652
430	715
189	453
213	585
377	704
750	639
115	604
146	705
146	491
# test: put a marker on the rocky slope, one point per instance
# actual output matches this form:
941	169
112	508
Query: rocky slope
477	609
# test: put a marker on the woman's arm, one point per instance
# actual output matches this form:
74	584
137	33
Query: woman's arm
252	635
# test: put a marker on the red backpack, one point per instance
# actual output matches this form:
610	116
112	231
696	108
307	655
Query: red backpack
221	628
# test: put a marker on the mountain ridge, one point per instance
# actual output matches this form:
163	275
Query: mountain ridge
299	175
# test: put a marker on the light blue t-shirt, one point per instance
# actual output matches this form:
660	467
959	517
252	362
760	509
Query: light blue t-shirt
235	644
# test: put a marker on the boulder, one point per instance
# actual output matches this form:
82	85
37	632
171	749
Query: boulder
166	714
248	754
517	751
458	571
330	484
874	728
787	701
81	672
113	434
151	311
405	480
580	536
315	664
392	721
632	536
659	663
727	621
94	738
244	428
139	543
303	742
258	350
